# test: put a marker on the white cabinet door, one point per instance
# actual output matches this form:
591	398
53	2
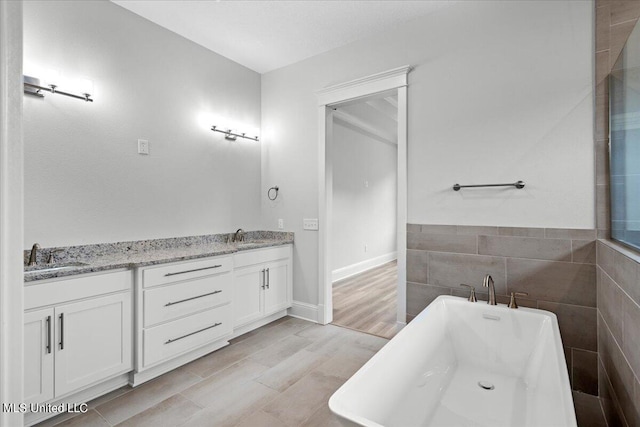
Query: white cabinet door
38	356
276	293
247	301
93	341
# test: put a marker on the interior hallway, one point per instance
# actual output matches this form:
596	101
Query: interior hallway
367	301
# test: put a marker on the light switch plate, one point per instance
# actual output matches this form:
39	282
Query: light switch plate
310	223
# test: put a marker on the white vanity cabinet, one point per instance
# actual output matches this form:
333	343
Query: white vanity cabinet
81	337
184	311
262	284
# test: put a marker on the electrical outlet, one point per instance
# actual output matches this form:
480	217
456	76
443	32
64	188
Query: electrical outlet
310	223
280	224
366	184
143	146
365	248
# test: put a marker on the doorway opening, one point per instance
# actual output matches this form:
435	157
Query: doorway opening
364	213
391	84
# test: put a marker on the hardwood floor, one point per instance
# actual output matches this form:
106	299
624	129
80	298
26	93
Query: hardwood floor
366	302
279	375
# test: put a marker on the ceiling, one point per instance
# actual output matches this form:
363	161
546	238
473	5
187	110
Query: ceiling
266	35
376	116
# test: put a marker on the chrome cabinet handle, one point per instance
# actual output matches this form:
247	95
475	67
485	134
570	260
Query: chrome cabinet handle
48	347
191	271
169	341
192	298
264	278
268	279
61	317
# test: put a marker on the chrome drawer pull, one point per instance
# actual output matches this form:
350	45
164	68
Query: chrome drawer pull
191	271
61	343
192	333
48	335
189	299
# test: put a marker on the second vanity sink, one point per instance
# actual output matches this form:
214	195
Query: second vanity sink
55	267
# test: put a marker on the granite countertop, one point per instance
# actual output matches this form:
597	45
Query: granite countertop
110	256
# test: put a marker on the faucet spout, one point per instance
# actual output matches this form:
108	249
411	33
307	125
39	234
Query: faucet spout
488	283
239	235
33	257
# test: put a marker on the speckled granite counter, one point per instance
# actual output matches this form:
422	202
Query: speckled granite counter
110	256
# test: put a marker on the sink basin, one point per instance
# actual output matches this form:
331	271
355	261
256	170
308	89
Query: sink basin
55	267
251	243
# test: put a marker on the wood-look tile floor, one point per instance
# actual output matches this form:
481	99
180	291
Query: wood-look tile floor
279	375
367	301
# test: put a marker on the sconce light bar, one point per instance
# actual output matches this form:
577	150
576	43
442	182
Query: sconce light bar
232	136
32	87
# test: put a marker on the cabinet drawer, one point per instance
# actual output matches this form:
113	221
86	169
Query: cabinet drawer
57	291
259	256
173	301
171	339
155	276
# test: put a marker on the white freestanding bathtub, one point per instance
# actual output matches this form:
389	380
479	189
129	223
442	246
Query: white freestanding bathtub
463	364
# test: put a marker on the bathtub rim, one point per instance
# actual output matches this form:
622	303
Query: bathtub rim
338	409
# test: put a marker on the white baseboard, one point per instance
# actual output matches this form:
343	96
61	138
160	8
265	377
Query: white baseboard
353	269
324	318
304	311
243	329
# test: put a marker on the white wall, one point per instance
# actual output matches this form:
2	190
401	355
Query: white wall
362	215
501	91
84	181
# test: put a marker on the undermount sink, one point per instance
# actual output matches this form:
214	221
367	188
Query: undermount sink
251	243
57	267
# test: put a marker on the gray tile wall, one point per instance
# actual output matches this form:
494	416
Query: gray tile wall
555	266
619	335
618	277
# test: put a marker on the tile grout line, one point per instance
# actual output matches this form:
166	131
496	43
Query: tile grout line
622	22
602	408
624	356
182	395
239	360
130	389
616	401
625	294
61	421
103	417
502	256
100	415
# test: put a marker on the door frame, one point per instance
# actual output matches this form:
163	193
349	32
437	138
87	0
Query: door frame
394	79
11	208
